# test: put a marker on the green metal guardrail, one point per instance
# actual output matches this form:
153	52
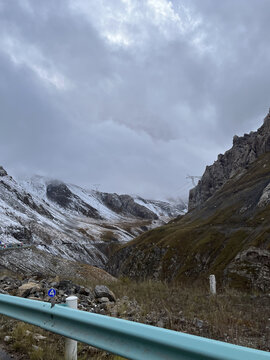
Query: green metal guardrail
125	338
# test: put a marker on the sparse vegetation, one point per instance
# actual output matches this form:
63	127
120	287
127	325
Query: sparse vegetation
26	341
208	239
108	236
230	316
233	316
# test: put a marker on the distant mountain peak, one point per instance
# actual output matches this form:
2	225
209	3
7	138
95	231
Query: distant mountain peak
267	119
3	171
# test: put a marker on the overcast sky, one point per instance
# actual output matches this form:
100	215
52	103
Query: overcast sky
129	94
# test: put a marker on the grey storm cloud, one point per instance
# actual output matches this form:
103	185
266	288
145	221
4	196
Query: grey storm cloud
132	95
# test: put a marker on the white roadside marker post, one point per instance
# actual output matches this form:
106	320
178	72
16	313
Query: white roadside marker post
212	279
71	345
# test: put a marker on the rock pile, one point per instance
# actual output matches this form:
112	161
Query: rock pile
99	300
37	289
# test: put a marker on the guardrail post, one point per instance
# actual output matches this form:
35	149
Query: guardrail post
71	345
212	280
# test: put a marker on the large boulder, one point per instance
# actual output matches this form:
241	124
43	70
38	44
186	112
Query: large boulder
101	291
28	288
250	270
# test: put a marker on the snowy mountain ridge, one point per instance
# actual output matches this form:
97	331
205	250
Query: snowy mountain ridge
70	222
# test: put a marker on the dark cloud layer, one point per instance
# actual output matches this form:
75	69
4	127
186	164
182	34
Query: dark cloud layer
133	95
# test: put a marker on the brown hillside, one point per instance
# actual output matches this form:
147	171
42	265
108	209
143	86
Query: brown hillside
229	236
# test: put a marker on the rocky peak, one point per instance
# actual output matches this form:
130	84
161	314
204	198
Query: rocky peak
3	171
125	205
266	121
245	150
59	193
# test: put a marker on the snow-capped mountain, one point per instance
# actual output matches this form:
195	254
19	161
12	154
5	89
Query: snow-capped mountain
70	222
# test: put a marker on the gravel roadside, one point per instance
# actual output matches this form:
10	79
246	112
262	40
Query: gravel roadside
5	356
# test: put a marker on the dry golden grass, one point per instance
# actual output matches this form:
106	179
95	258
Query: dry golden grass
231	316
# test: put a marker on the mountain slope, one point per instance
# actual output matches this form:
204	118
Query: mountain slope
228	235
68	221
245	150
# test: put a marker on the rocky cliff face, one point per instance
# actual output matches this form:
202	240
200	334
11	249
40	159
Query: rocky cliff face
245	150
228	235
2	171
227	231
126	205
59	193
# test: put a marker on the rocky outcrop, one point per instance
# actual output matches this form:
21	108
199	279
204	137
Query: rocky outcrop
61	195
102	291
251	266
163	208
3	171
245	150
228	236
126	205
137	264
265	198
